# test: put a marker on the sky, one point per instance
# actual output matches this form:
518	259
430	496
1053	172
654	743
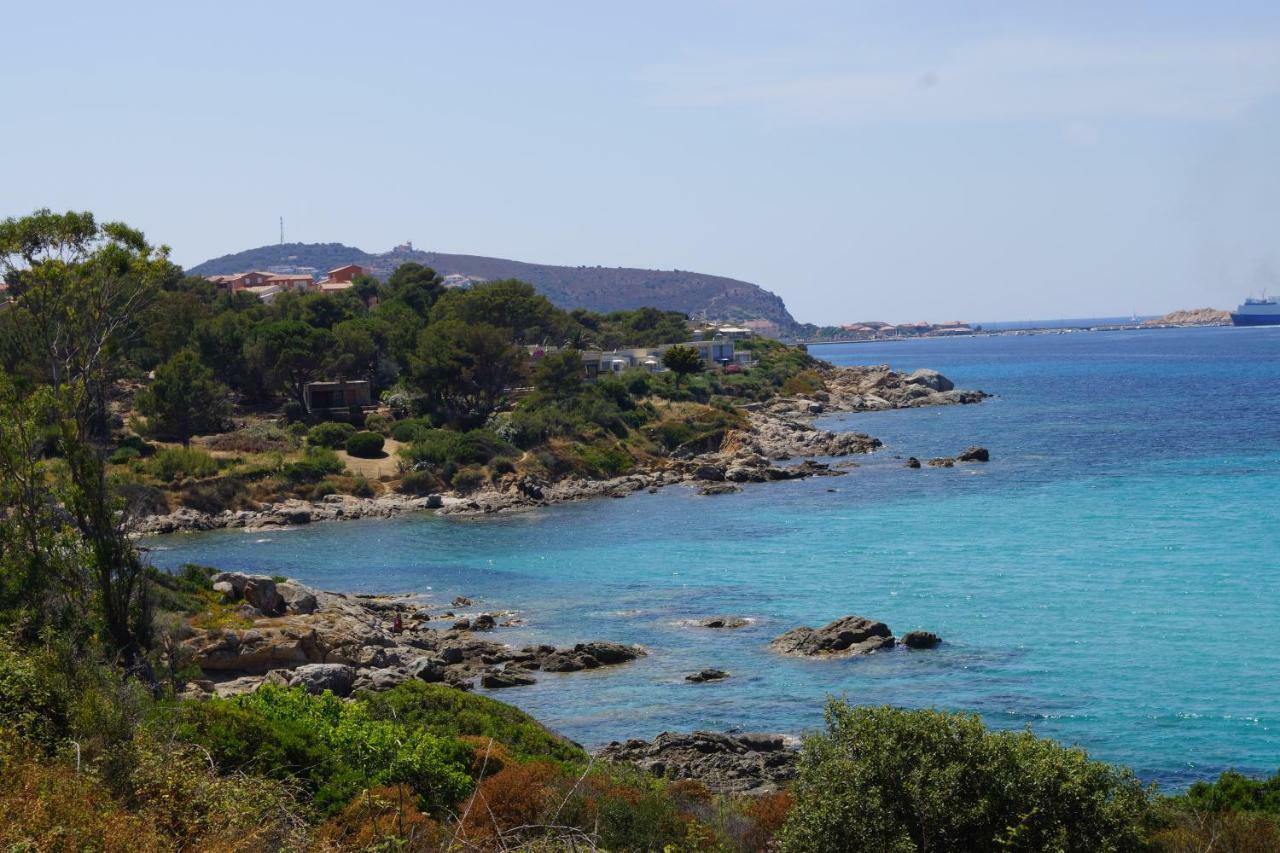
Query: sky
888	161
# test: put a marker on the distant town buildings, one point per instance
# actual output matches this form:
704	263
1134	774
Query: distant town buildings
717	353
875	330
266	285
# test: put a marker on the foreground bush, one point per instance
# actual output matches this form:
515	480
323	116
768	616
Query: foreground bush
904	781
173	463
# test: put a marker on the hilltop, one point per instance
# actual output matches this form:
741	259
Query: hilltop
596	288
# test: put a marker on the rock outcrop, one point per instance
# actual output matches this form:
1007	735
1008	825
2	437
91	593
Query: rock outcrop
850	635
921	640
750	764
330	641
704	675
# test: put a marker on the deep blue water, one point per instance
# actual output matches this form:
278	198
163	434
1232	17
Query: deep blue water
1110	578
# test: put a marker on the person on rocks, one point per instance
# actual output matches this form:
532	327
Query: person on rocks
397	626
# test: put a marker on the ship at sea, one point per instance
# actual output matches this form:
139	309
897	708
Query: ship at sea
1263	311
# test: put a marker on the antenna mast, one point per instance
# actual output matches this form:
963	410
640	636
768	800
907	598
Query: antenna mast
281	230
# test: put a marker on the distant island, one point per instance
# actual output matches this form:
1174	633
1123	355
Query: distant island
1193	317
706	297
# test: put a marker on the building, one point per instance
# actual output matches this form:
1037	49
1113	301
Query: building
266	292
237	282
337	399
346	273
735	333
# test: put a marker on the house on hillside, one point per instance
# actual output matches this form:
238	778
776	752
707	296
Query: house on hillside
341	278
242	281
337	399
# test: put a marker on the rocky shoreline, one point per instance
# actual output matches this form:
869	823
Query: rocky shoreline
282	632
776	432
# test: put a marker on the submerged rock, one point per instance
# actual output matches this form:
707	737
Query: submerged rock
850	635
724	622
707	675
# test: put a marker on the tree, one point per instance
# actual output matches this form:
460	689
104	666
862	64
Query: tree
79	287
465	369
415	286
559	374
507	304
907	781
682	360
291	354
184	400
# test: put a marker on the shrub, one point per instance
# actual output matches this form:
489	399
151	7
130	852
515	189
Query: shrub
607	461
362	488
419	483
893	780
294	412
804	383
334	749
214	496
255	438
439	447
172	463
365	445
408	430
331	434
123	455
502	466
384	818
468	479
447	712
380	424
316	464
32	706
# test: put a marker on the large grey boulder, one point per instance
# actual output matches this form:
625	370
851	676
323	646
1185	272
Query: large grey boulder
931	379
261	592
847	636
726	764
316	678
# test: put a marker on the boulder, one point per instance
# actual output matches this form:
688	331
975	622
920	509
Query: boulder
226	591
297	598
484	622
719	489
316	678
974	454
462	601
707	675
726	764
942	462
708	473
850	635
931	379
261	592
724	622
497	679
912	462
921	640
430	670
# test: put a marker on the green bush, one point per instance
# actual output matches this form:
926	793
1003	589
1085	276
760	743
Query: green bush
419	483
447	712
607	461
216	495
468	479
316	464
123	455
256	438
31	705
380	424
365	445
331	434
439	447
903	781
172	463
408	430
332	748
362	488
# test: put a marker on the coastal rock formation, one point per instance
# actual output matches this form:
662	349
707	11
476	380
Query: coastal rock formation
704	675
974	454
847	636
323	640
727	764
921	640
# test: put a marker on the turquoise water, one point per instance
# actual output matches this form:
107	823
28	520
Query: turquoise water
1110	578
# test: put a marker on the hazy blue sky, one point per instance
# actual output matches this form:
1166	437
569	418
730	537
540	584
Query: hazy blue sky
894	161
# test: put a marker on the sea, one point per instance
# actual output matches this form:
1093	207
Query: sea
1110	579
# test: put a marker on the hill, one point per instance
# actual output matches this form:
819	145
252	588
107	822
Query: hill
595	288
1193	317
